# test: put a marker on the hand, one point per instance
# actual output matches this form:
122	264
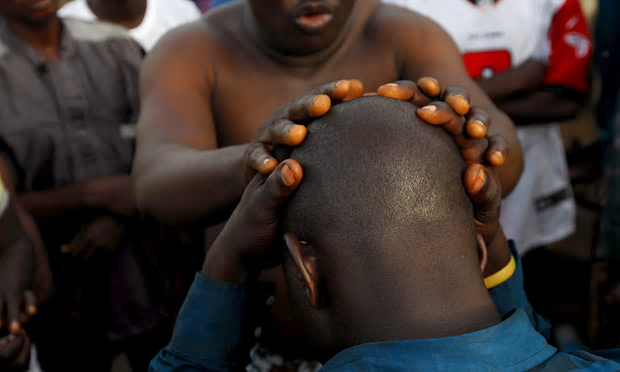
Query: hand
451	110
287	126
17	272
96	238
15	353
245	246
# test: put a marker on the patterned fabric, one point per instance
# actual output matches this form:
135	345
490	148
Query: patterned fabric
262	360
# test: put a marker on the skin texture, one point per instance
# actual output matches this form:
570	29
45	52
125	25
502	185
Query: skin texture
328	301
192	133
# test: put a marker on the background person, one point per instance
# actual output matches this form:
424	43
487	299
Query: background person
146	20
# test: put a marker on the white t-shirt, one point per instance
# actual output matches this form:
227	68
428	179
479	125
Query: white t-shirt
501	35
161	16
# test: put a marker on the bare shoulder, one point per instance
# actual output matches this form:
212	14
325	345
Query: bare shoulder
197	47
216	29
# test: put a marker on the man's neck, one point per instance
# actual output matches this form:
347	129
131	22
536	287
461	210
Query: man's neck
126	13
431	313
43	36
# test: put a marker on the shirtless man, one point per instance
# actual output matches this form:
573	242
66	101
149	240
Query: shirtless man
208	87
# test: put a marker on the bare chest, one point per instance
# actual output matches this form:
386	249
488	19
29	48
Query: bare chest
246	96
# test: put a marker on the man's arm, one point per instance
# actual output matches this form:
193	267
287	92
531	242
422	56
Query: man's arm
180	175
522	79
560	93
518	92
111	194
433	53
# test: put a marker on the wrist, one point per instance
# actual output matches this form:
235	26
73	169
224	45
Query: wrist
224	267
498	254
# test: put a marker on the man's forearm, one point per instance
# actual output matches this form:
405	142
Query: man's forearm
112	194
53	203
184	185
526	77
539	107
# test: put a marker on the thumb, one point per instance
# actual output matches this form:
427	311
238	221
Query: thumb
280	184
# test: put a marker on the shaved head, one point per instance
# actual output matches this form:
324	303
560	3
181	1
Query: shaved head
383	210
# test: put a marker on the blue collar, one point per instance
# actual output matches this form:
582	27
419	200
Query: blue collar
511	346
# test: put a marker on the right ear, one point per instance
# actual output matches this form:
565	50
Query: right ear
305	261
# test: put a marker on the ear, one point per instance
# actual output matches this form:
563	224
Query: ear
305	261
483	253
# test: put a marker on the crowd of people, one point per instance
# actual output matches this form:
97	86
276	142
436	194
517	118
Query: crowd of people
268	185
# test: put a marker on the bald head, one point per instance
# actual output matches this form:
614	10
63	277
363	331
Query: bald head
376	175
387	231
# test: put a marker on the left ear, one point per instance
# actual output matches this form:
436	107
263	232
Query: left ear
305	261
483	253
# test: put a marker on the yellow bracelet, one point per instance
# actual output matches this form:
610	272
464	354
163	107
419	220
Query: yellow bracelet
501	276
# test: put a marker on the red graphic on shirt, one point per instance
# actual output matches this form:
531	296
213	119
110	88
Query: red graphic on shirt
486	64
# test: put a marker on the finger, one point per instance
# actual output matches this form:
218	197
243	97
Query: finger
498	150
13	303
404	90
478	123
458	99
308	107
259	159
473	150
355	91
30	301
280	185
484	191
284	132
430	87
338	90
440	113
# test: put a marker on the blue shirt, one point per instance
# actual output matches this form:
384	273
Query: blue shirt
210	335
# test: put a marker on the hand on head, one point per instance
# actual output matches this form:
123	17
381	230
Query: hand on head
246	245
469	127
247	240
287	126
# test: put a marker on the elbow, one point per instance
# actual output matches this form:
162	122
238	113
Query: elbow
146	194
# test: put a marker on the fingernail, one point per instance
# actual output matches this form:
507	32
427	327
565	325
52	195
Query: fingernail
32	310
390	85
480	125
287	175
480	180
340	82
430	108
498	157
